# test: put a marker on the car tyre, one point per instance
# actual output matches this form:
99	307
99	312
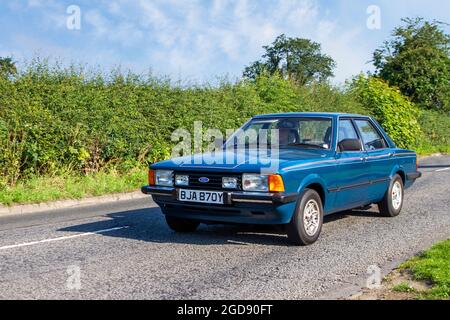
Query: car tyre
182	225
306	224
392	203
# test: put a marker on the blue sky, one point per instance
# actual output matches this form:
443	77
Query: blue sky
199	40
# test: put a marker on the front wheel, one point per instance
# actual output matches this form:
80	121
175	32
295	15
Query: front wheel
306	224
182	225
392	203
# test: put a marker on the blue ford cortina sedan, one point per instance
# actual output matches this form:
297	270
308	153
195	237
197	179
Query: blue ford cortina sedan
323	163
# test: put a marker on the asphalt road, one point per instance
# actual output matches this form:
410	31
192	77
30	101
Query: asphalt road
125	251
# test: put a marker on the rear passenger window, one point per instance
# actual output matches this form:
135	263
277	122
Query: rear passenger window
370	136
346	130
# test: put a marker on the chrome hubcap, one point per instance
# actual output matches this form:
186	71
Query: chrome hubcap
397	195
311	218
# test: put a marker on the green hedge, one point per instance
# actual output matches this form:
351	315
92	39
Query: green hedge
396	113
435	135
57	119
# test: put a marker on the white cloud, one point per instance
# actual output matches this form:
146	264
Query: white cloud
114	7
190	36
218	7
346	49
203	39
153	16
124	33
295	13
127	34
34	3
99	23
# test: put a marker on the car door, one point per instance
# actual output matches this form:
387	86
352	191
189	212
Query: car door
352	180
379	158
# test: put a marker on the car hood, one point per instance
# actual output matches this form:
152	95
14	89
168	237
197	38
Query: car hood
244	161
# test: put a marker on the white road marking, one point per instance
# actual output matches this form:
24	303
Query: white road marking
61	238
238	242
444	169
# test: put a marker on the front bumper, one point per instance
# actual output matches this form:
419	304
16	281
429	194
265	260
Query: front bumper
231	197
239	207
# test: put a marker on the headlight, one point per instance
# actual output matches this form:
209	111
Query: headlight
229	183
182	180
262	183
255	182
164	178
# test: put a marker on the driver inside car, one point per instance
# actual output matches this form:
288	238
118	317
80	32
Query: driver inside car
288	136
287	133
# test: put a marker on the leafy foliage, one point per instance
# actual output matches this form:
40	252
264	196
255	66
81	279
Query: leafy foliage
54	118
7	68
396	114
435	132
296	59
417	60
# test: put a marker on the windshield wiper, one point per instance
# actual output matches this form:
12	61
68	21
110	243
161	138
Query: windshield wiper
304	144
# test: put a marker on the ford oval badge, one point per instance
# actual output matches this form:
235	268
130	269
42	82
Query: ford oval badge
203	180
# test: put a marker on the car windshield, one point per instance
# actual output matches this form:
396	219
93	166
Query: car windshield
307	132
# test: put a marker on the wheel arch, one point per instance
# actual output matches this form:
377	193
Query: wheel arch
319	189
401	172
317	184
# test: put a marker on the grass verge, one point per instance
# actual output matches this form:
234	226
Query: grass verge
403	287
45	189
433	266
424	277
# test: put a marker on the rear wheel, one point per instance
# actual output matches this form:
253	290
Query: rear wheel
182	225
392	203
306	224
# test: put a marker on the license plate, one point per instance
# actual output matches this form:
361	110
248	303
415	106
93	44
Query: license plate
200	196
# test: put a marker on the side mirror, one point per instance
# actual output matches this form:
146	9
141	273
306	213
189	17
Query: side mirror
350	145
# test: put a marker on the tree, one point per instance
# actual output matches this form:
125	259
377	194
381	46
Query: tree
7	68
416	60
295	59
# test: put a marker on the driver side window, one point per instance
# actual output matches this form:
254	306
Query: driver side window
370	137
346	130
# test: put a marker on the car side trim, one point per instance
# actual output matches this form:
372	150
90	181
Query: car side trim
405	154
309	164
382	156
358	185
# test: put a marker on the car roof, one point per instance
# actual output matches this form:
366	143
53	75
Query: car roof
307	114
